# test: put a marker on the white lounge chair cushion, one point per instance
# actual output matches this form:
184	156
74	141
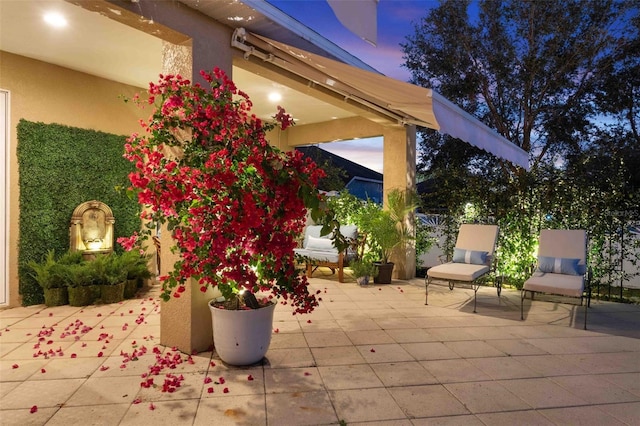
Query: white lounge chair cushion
457	271
565	285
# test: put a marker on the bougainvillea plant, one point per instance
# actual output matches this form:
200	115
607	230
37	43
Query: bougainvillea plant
234	204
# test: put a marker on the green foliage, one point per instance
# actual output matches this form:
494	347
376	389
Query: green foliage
115	271
135	265
363	268
71	271
60	168
41	271
561	82
346	207
424	240
384	229
78	275
516	246
335	177
387	229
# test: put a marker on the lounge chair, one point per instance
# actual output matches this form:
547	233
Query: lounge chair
319	250
473	258
561	268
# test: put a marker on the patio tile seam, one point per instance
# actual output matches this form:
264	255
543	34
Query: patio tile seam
557	380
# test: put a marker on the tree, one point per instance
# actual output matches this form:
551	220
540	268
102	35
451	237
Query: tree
528	69
559	79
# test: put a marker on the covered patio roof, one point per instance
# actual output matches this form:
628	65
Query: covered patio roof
398	101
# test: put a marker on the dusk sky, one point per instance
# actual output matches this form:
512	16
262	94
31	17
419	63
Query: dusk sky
395	22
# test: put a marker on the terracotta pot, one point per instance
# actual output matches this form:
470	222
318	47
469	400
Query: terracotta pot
242	337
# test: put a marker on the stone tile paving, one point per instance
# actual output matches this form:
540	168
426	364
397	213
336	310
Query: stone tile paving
368	355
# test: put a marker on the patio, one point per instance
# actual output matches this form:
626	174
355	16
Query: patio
373	355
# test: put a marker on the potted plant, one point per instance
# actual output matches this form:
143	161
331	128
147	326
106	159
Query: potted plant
115	275
363	270
387	230
53	286
82	282
234	205
135	265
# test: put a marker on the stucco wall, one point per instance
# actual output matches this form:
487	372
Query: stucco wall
48	93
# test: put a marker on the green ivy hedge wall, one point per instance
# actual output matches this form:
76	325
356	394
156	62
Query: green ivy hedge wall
61	167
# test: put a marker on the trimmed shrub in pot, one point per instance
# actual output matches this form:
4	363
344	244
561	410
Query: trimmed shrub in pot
54	286
363	270
81	282
137	271
115	275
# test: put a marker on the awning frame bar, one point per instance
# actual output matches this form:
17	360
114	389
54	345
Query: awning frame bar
239	40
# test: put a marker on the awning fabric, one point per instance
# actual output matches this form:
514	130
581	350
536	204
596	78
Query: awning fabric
408	103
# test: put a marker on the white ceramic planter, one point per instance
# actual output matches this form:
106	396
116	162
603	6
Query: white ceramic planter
242	337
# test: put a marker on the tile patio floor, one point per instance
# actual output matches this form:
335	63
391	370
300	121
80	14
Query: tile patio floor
368	355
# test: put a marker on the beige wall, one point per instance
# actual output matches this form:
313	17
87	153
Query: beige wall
47	93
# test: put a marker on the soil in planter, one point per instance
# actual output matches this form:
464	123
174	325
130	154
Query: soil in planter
56	296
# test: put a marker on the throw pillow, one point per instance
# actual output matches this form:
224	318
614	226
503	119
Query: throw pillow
320	244
474	257
558	265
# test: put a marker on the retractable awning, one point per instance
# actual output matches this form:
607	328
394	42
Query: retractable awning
399	101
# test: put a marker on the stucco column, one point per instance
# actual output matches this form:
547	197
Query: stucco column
399	170
185	322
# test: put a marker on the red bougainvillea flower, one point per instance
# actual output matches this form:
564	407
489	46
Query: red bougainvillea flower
234	204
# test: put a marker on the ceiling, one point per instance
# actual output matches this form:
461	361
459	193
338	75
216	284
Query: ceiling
97	45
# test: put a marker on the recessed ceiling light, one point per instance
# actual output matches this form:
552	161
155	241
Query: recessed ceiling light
275	97
55	19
